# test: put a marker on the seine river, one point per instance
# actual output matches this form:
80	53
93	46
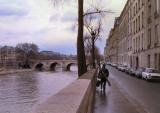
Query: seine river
20	92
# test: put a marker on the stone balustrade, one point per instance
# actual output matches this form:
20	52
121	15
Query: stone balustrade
78	97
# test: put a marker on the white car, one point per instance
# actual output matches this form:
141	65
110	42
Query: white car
121	68
151	74
114	65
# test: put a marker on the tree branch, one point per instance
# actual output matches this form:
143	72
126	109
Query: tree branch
97	12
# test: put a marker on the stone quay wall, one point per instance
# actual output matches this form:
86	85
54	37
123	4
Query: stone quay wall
77	97
6	72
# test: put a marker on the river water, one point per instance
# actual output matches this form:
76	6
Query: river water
20	92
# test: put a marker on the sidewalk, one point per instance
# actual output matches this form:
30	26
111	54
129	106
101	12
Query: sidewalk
112	100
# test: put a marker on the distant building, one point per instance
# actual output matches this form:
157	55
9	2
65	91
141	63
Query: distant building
111	49
48	53
8	57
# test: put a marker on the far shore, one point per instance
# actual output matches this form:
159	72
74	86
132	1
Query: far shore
12	71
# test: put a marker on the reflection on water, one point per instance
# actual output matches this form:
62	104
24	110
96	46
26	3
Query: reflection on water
20	92
74	68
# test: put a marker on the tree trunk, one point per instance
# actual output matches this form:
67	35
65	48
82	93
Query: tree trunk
93	53
82	68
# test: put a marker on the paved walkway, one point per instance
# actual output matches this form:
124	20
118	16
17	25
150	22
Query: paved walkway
113	101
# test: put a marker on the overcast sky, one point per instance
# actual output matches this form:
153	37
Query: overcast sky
51	28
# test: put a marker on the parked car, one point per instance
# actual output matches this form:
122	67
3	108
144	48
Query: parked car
114	65
151	74
121	68
138	72
132	71
127	70
108	63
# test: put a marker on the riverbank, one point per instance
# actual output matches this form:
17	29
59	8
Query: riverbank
12	71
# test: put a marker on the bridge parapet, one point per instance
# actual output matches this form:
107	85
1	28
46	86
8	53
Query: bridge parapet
51	64
78	97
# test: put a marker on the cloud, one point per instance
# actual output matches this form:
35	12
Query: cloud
50	28
10	11
54	17
13	8
69	17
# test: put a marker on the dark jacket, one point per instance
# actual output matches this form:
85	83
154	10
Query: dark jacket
103	74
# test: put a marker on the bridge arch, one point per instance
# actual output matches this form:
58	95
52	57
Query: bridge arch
53	65
68	66
39	66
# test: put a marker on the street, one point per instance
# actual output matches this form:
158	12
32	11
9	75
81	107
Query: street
140	93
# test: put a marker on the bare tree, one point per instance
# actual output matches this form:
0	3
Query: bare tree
26	52
82	68
89	51
93	29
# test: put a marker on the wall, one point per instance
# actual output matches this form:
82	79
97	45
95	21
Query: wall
78	97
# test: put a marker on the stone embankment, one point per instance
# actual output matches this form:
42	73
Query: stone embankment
78	97
12	71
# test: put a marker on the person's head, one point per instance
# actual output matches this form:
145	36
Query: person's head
103	66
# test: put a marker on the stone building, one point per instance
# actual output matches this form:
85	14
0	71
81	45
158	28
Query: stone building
152	48
113	43
139	34
7	57
123	35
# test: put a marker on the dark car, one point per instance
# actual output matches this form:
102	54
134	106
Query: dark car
132	71
138	72
127	70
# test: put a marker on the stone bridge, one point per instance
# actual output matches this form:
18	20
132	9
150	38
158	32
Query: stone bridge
50	65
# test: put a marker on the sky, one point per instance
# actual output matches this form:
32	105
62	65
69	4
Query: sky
52	27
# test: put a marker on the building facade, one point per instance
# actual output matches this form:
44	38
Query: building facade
112	42
138	35
7	57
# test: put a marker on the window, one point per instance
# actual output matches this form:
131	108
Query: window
148	59
142	2
149	38
142	41
136	8
134	45
131	28
139	43
142	19
149	11
157	6
139	23
155	60
131	44
157	34
136	25
159	61
134	11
